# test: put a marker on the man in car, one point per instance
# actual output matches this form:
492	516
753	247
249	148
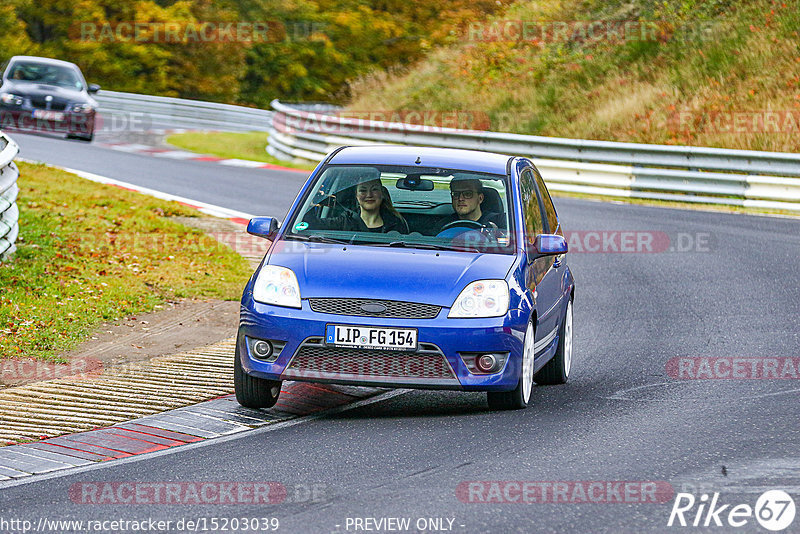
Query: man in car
467	196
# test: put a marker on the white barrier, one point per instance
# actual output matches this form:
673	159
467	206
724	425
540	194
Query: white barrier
9	212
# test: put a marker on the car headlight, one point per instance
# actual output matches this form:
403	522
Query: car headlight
482	298
82	108
277	285
10	98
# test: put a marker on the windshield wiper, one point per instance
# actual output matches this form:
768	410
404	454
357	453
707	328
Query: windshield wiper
406	244
316	238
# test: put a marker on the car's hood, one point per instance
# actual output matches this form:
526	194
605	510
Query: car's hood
32	89
414	275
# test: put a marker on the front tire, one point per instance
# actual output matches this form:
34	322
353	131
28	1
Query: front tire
85	138
556	371
253	392
521	396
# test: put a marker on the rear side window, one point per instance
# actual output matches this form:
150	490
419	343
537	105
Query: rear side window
530	205
547	203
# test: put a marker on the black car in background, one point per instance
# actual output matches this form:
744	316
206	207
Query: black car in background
47	95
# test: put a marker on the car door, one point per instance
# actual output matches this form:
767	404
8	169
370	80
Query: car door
550	288
536	269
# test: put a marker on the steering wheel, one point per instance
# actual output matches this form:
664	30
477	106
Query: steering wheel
467	223
331	202
474	233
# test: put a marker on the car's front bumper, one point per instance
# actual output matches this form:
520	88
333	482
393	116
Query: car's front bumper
436	365
21	118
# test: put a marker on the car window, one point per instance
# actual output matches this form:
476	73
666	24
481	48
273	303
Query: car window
419	207
43	73
531	211
547	203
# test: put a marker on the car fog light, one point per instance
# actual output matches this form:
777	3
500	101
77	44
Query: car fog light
486	363
265	350
262	349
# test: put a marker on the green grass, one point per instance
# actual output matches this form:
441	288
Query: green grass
89	253
230	145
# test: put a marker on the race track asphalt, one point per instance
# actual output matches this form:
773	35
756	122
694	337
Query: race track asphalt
733	294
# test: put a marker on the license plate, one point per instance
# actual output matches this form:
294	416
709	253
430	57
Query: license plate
371	337
47	115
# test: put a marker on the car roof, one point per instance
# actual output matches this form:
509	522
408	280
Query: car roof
450	158
45	60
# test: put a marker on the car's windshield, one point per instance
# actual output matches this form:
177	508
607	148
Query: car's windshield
43	73
399	206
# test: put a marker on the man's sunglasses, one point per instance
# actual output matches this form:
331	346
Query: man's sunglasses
468	194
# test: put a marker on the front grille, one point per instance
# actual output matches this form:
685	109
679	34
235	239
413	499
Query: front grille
314	360
394	308
54	105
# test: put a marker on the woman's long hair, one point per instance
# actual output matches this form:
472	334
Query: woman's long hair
386	204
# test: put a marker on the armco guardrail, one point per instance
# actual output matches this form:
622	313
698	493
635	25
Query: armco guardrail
688	174
9	213
181	113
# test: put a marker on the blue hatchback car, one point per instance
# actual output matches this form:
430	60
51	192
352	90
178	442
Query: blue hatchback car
411	267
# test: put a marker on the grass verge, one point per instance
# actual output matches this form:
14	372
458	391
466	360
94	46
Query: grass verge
231	145
698	64
89	252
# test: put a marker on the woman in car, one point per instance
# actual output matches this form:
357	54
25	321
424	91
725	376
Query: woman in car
376	213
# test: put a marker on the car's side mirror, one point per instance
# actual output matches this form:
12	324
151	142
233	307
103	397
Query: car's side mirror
548	245
263	227
93	88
